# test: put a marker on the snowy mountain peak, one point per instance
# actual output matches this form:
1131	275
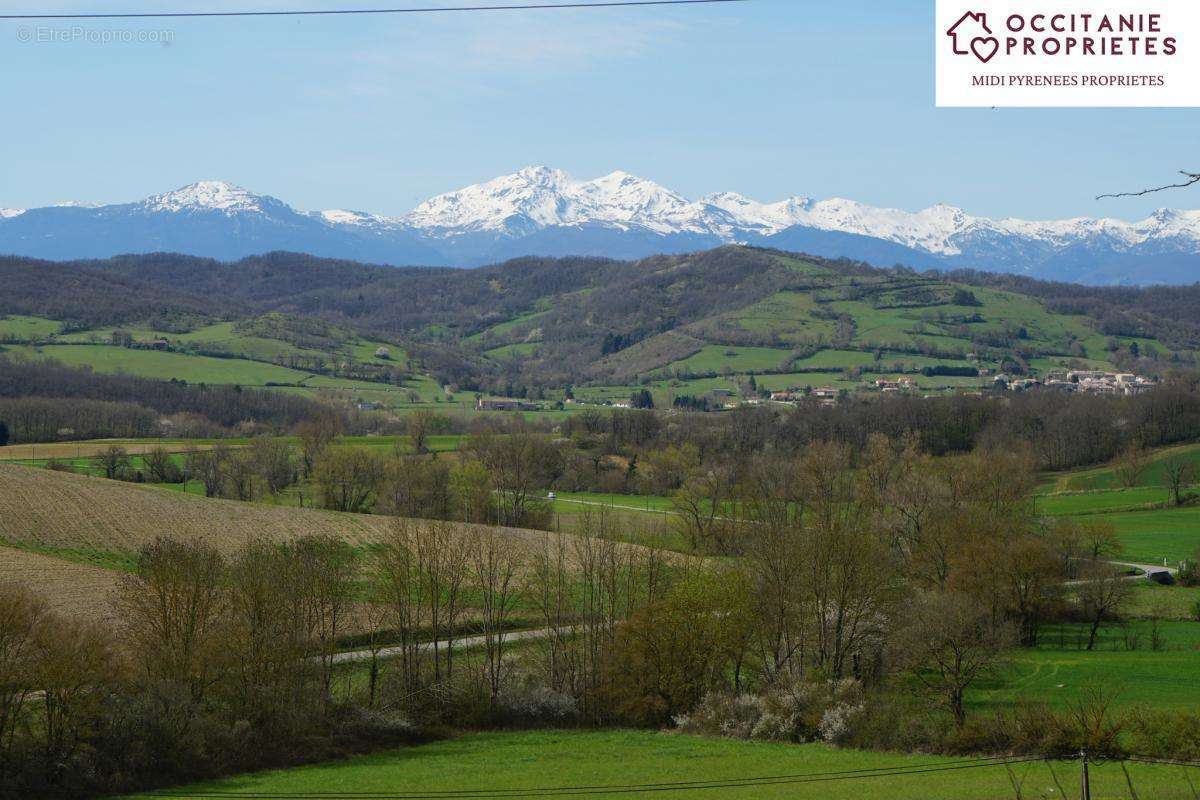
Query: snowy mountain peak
76	204
338	216
206	196
539	210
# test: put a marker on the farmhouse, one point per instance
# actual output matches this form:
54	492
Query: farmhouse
504	405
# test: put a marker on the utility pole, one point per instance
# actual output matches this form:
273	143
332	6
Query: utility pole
1085	788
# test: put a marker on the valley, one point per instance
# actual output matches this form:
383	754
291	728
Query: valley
714	329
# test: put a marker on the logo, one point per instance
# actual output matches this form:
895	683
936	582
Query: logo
1064	53
966	40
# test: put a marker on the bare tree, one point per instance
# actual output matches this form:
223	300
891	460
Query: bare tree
396	580
174	612
701	507
349	478
21	616
1131	464
316	434
114	462
1180	472
161	467
420	424
952	641
77	671
264	634
494	566
324	569
1102	592
208	467
442	562
240	476
272	460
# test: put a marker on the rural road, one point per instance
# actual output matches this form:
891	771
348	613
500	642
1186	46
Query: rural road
610	505
1146	572
1151	572
463	643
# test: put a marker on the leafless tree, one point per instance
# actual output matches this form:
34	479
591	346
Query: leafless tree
1180	472
114	461
1102	592
1190	179
324	569
316	434
208	467
949	643
174	612
349	478
160	466
397	580
264	633
1131	465
494	566
21	616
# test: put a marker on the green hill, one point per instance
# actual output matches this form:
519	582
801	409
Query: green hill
686	324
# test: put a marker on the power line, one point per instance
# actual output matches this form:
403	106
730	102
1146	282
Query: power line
818	777
360	11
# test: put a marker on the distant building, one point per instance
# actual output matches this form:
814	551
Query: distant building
383	352
505	405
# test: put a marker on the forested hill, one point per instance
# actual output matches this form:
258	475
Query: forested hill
555	322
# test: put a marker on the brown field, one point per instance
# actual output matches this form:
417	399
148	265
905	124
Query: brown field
78	591
65	510
18	452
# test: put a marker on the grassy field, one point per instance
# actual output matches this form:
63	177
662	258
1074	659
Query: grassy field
28	328
1105	477
1141	498
1059	671
523	763
165	366
1151	536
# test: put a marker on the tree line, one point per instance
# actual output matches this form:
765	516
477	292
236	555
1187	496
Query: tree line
855	592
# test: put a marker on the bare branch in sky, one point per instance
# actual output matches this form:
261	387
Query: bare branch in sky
1192	179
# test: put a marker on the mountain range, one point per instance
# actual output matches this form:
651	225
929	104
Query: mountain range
544	211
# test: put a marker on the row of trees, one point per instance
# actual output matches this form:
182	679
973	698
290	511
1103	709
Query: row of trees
848	579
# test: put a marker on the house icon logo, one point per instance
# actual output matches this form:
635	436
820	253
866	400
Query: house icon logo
972	36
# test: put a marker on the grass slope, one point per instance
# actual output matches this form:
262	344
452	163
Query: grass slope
528	761
1060	672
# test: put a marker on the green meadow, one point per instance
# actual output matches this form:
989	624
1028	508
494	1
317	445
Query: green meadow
526	763
1124	664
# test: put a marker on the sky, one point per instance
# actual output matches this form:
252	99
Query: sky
768	98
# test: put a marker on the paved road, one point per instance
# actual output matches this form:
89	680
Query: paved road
462	643
1150	570
642	509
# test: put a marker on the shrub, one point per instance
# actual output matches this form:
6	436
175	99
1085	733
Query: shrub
1189	573
530	703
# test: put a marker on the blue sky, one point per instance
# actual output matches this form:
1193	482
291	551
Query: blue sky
769	98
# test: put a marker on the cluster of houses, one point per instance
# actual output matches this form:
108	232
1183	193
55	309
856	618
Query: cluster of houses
505	405
1084	381
827	395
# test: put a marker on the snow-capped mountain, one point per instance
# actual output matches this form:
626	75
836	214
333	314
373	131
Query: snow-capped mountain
540	197
209	218
207	196
544	211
